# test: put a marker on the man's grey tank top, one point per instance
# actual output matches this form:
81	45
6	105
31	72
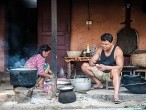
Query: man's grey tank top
110	61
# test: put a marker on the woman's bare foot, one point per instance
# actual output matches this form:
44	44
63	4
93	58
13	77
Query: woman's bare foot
40	84
50	76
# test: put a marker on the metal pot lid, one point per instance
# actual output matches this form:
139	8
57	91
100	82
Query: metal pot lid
66	87
143	83
22	69
63	82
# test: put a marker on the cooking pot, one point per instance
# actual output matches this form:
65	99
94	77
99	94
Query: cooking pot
81	84
132	79
66	94
137	88
23	77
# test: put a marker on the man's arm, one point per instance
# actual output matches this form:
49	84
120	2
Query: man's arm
119	61
95	57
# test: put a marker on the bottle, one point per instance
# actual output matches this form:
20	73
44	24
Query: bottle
88	51
46	87
61	73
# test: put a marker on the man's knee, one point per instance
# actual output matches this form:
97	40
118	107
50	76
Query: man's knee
84	66
115	73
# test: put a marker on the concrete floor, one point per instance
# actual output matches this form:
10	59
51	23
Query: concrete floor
97	99
100	99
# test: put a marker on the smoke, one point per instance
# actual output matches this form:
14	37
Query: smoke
16	61
19	58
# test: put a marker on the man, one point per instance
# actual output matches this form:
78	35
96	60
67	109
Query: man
106	64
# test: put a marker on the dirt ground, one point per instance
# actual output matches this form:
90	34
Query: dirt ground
97	99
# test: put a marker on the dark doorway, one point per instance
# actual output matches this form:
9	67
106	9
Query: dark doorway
63	28
21	31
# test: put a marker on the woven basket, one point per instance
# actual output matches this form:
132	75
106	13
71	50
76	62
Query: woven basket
139	60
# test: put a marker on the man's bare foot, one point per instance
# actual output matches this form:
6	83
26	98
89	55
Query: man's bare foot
98	86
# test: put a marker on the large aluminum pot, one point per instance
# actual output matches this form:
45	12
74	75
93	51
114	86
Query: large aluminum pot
23	77
81	84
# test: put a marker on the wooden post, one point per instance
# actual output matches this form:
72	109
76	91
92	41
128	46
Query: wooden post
54	45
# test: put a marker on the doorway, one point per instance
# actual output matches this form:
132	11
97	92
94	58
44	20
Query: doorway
21	31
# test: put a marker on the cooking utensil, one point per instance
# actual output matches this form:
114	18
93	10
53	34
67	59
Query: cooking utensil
66	94
74	53
132	79
23	77
63	83
81	84
137	88
66	88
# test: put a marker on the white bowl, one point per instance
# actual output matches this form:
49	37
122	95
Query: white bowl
74	53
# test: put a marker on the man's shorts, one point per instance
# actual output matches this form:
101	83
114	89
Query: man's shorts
102	76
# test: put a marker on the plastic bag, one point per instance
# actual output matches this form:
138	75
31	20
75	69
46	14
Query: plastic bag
61	73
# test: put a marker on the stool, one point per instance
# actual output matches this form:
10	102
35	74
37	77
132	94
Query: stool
107	83
140	70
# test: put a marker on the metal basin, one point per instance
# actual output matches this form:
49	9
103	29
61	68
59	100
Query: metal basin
81	84
23	77
132	79
138	88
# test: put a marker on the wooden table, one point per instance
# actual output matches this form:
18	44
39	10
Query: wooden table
69	60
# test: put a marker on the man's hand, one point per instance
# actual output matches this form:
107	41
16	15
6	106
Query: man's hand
92	63
101	67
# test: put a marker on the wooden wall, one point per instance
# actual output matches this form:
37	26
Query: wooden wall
107	16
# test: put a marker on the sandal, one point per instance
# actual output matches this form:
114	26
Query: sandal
117	101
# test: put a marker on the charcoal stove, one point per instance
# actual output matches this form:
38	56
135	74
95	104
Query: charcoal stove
23	81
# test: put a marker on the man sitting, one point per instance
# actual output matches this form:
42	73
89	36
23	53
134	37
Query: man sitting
106	64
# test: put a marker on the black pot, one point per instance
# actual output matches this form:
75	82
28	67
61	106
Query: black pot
66	94
23	77
132	79
138	88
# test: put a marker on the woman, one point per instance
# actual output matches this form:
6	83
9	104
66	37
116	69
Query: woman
37	61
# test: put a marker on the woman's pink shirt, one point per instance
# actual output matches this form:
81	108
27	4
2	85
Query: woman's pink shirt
36	62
